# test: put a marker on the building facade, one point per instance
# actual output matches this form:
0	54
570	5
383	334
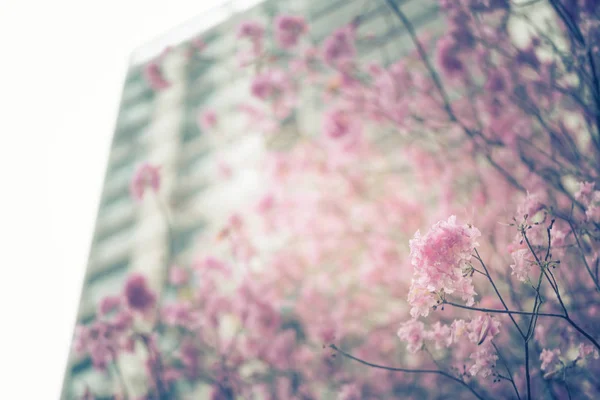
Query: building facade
161	127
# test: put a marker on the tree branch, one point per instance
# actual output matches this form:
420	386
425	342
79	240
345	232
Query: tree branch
408	370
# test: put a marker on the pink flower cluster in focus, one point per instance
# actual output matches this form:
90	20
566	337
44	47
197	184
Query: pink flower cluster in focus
440	260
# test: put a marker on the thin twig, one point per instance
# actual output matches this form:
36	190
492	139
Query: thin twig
408	370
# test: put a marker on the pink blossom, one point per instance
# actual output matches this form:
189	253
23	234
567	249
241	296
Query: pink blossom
459	329
262	319
108	304
254	32
327	333
439	259
593	211
496	82
270	84
251	30
420	299
413	333
338	124
531	205
350	391
177	314
485	360
522	264
288	29
154	76
586	351
448	59
145	176
549	358
207	119
123	320
265	204
392	89
281	349
338	48
138	295
178	276
213	264
98	340
441	335
190	357
171	374
483	329
585	192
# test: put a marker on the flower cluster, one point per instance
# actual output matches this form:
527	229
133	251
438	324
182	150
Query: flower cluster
441	260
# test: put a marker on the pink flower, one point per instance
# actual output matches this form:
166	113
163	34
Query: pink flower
548	358
213	264
420	299
413	333
485	360
338	49
145	176
593	211
98	340
207	120
522	265
178	276
276	87
190	357
251	30
531	205
270	84
171	374
177	314
288	29
391	89
265	204
585	192
483	329
496	82
254	32
154	76
342	131
586	351
458	329
327	334
108	304
138	295
122	321
263	319
447	55
350	391
441	335
280	349
439	259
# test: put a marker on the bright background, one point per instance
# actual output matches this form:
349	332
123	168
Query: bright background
62	65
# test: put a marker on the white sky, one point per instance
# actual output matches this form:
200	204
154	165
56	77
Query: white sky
62	64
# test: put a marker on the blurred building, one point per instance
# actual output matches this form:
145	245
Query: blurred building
161	127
